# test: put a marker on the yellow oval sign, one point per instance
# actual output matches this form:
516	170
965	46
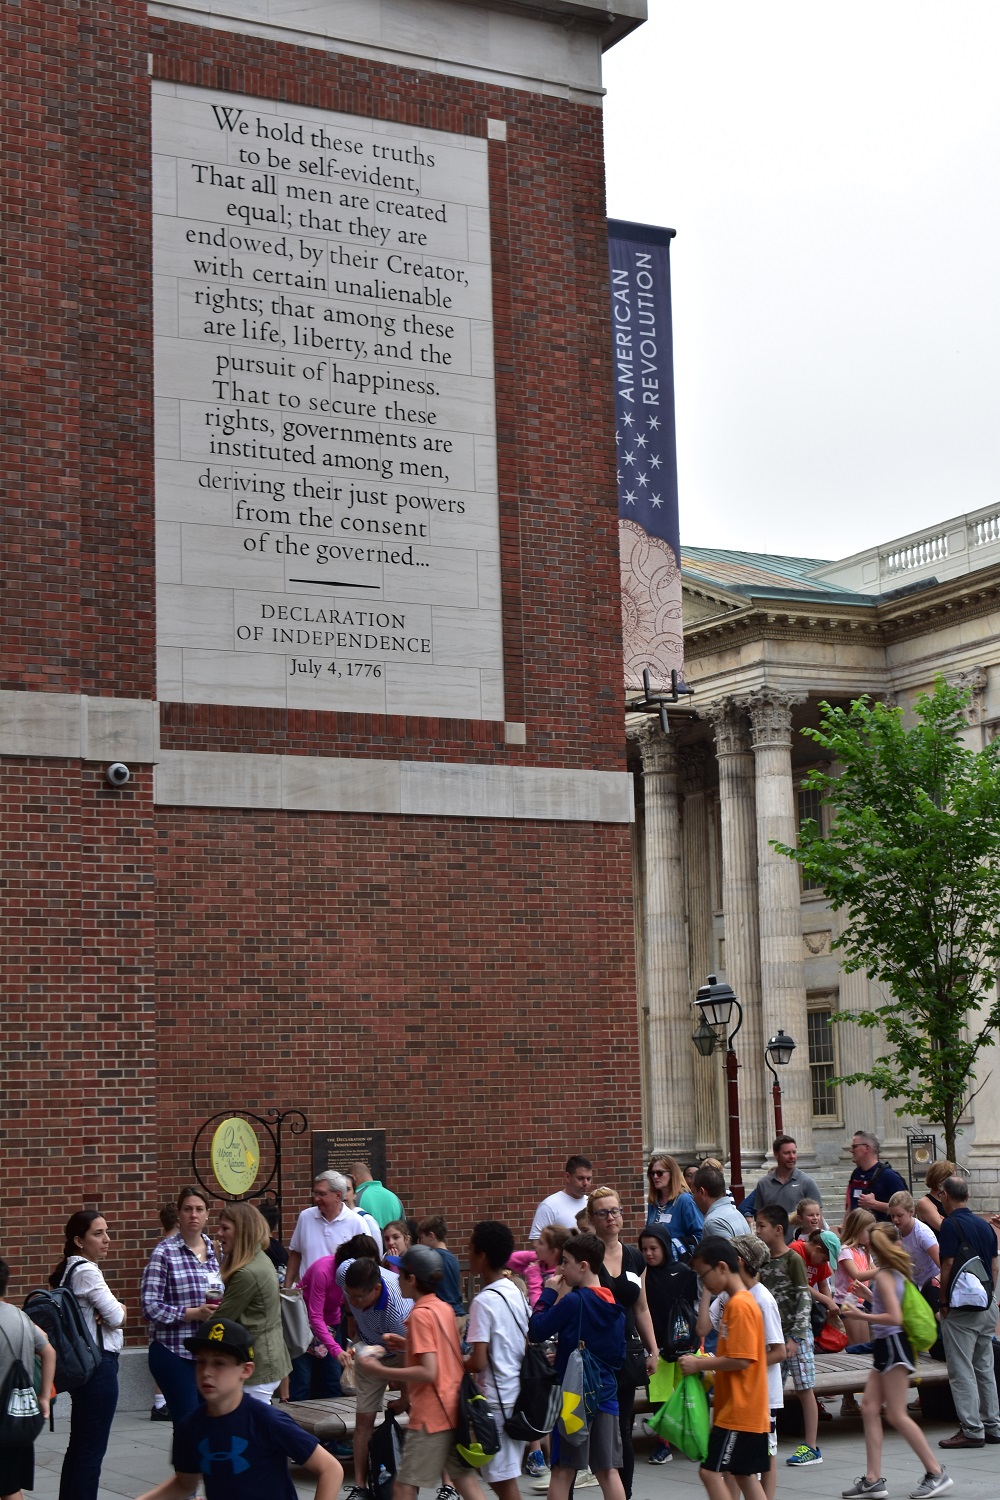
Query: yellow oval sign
235	1156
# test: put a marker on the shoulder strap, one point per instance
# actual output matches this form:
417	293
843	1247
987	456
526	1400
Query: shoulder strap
523	1331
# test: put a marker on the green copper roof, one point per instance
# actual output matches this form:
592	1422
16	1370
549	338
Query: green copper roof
763	573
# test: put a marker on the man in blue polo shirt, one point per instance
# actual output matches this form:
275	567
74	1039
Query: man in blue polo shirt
968	1317
379	1308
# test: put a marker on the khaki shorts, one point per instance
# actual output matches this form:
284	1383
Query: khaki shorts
425	1456
370	1389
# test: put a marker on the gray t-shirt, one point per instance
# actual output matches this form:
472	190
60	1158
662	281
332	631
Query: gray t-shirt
769	1190
20	1338
724	1219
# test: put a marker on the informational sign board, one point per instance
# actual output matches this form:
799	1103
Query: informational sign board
336	1149
235	1156
326	488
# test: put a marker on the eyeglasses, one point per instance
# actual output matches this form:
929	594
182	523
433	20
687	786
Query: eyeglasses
606	1213
658	1172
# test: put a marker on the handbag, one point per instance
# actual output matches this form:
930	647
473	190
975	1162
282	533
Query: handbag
477	1437
295	1327
683	1420
633	1369
832	1337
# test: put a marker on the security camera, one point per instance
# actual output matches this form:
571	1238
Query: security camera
117	774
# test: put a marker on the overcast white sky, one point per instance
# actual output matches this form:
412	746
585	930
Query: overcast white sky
833	174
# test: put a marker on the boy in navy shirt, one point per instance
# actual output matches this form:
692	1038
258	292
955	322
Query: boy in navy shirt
240	1445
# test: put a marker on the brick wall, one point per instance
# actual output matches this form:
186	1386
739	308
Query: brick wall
468	985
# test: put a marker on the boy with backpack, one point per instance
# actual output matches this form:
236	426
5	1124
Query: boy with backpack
741	1420
672	1297
432	1371
576	1308
497	1331
20	1341
784	1275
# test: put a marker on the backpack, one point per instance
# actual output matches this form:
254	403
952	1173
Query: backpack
60	1317
581	1391
384	1452
681	1313
536	1406
21	1418
477	1439
918	1320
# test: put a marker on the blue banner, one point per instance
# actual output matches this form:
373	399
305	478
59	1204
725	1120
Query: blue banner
642	334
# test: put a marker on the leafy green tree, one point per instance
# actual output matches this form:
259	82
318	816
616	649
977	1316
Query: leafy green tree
913	858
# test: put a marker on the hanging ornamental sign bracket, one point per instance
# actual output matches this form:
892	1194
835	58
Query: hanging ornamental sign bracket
234	1156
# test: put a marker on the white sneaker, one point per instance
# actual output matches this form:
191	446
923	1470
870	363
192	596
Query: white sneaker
932	1484
584	1480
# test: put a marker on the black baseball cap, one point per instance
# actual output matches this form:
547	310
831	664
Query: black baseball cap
222	1333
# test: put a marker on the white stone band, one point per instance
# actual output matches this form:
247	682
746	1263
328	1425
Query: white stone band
68	727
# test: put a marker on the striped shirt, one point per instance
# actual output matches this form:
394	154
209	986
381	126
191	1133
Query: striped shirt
387	1315
175	1279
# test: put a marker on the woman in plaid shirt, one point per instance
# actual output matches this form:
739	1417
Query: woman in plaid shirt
176	1283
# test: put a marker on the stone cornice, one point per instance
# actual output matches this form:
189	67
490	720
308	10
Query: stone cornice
882	622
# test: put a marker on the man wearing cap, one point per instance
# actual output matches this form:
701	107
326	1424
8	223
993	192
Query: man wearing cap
787	1183
239	1446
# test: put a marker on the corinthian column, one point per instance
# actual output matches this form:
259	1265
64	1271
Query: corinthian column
698	886
782	968
670	1071
739	904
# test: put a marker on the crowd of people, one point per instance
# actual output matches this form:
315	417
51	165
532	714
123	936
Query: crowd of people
748	1291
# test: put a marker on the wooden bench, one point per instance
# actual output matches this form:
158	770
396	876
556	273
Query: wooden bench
330	1419
840	1374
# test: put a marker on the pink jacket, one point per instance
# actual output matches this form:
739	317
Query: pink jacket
324	1301
525	1263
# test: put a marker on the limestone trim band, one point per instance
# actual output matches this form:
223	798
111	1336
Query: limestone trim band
429	789
64	726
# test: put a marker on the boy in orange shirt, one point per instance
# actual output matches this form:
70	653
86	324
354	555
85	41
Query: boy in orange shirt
433	1373
737	1443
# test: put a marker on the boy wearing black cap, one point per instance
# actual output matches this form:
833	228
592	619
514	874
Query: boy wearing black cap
240	1446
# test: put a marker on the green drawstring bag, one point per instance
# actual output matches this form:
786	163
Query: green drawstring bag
683	1420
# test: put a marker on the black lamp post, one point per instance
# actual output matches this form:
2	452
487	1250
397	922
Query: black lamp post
717	1002
779	1049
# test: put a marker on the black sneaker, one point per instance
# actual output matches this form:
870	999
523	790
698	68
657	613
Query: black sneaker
160	1414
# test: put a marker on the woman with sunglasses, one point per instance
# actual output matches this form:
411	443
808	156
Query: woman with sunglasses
623	1273
670	1203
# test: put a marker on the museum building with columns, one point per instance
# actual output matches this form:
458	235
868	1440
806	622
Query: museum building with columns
766	639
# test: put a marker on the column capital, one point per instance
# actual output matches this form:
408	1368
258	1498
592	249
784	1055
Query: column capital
658	750
771	717
728	719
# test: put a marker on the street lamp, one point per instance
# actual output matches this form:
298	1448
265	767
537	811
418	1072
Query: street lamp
779	1049
717	1002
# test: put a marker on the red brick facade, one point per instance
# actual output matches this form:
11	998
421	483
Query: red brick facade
466	984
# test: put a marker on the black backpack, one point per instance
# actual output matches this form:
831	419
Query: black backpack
21	1418
536	1406
60	1317
384	1452
679	1313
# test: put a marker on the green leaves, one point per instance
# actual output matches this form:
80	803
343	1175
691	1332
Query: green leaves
913	857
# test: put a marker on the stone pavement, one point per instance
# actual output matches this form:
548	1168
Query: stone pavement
139	1457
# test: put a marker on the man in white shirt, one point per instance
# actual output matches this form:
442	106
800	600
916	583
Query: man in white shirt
323	1227
563	1207
319	1231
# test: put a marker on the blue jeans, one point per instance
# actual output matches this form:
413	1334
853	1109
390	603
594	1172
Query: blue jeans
89	1430
175	1377
313	1376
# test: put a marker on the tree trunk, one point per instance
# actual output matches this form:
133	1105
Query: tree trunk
949	1130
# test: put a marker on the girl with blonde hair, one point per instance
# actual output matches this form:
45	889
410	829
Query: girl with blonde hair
893	1362
670	1203
251	1295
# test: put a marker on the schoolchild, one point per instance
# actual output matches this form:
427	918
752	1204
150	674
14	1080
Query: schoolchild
784	1275
534	1266
741	1420
432	1371
888	1384
21	1339
497	1331
753	1254
575	1306
672	1298
433	1232
240	1446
